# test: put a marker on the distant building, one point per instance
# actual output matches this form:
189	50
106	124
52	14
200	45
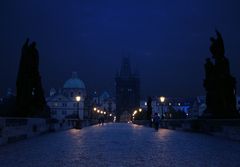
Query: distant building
238	103
199	106
178	104
104	102
63	103
7	104
127	90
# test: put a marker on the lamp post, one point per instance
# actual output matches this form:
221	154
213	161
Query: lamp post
78	98
162	99
92	116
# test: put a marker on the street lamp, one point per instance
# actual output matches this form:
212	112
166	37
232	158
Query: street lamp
78	98
78	125
162	99
93	113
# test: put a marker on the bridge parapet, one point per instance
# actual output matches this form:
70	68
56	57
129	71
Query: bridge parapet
15	129
228	128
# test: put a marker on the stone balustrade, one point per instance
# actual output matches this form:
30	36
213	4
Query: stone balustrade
15	129
227	128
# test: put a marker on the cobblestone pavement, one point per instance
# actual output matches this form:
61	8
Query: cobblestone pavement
121	145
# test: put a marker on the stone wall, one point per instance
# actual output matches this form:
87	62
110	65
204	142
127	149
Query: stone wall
227	128
15	129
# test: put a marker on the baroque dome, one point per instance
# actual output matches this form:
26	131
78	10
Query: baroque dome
74	82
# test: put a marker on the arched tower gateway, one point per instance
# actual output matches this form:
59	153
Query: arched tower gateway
127	91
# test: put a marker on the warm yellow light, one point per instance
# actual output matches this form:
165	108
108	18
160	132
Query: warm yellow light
162	99
101	112
140	110
135	112
78	98
94	108
98	111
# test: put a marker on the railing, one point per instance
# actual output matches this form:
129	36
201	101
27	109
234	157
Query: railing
229	128
14	129
13	122
202	125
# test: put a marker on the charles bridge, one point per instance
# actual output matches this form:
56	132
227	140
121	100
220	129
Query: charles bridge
120	144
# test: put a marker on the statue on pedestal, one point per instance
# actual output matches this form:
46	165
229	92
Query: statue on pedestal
30	97
219	84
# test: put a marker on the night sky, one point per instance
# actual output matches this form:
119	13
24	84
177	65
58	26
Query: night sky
166	40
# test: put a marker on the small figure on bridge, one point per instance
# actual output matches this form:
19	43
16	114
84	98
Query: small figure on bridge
101	120
156	121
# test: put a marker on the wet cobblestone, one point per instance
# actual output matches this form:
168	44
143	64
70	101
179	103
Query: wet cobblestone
121	145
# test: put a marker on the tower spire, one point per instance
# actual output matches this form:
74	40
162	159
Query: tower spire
125	68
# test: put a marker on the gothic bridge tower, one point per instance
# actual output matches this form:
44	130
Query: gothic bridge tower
127	91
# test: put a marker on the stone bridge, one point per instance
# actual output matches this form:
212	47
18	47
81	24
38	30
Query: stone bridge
121	145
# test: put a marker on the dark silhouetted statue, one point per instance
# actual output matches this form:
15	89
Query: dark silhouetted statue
30	97
219	84
149	108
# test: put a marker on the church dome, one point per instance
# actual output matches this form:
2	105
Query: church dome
74	82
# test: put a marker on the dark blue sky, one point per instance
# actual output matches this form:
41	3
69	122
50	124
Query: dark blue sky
167	41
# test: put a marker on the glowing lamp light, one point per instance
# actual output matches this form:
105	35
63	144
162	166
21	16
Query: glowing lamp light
78	98
95	109
162	99
140	110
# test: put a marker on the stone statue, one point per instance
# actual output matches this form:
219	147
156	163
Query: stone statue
219	84
30	97
149	108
